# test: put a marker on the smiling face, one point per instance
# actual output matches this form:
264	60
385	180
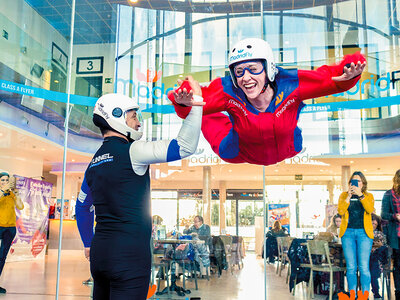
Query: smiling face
4	181
251	78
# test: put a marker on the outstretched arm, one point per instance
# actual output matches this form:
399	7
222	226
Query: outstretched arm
212	94
144	153
328	80
84	212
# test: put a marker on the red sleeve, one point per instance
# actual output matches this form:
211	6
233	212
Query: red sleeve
318	83
213	95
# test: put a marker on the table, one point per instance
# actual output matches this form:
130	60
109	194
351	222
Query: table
174	242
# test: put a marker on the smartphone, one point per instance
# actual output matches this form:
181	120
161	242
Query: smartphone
354	182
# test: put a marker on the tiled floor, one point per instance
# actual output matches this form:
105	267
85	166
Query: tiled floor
36	280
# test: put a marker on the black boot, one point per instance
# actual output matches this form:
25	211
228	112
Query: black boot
2	290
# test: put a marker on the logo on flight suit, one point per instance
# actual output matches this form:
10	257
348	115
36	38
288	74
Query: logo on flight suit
238	105
279	99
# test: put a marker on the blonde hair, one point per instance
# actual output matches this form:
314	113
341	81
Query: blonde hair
332	225
277	226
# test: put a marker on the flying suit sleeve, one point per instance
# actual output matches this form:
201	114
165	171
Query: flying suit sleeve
213	95
84	211
143	153
318	83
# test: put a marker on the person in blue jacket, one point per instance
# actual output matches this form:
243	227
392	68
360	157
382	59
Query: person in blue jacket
117	186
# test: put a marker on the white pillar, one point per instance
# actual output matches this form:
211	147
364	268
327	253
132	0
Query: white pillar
207	195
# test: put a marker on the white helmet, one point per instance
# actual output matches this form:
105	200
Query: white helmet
252	49
110	112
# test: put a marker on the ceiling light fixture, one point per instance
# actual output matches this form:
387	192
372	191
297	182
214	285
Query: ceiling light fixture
133	1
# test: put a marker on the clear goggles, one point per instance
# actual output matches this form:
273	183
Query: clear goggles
139	117
255	67
138	114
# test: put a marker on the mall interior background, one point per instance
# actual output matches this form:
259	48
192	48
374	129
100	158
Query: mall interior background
141	49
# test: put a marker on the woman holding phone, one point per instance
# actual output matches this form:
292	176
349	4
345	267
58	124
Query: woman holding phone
355	207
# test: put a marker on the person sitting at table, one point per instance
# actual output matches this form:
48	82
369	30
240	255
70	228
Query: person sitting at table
379	254
277	230
335	225
198	227
271	244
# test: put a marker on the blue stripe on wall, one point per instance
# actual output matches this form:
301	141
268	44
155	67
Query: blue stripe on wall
22	89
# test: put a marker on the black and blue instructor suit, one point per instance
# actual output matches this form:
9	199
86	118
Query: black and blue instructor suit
117	187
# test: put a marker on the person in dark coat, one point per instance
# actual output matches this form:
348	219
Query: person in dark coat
391	213
271	244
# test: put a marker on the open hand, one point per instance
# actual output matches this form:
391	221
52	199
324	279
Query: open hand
355	190
184	97
12	184
351	72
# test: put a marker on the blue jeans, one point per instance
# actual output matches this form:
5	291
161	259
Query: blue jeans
357	249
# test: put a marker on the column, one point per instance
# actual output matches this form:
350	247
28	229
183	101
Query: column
207	195
330	186
345	178
222	212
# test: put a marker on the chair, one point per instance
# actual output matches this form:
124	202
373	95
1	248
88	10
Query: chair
237	250
298	263
227	240
217	255
161	264
387	270
279	260
208	242
283	249
191	269
321	248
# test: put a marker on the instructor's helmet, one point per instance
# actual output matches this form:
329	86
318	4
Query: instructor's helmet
110	113
253	49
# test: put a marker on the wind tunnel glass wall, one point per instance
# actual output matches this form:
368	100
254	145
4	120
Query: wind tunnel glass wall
142	49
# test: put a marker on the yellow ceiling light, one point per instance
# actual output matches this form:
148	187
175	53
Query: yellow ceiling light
133	1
